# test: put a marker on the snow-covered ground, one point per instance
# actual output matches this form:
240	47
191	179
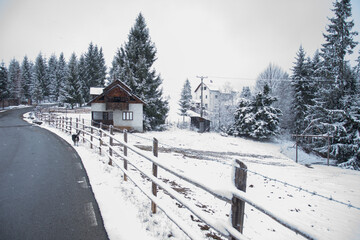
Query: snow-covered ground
320	202
13	107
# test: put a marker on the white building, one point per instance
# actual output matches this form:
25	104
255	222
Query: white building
219	101
116	105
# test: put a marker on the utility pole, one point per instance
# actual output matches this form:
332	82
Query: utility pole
202	90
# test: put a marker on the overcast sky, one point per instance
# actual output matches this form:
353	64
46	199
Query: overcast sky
217	38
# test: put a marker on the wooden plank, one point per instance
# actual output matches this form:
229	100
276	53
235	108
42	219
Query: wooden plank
238	206
111	144
125	153
155	173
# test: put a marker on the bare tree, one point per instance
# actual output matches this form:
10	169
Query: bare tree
280	87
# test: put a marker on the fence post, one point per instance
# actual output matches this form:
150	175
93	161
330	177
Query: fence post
125	153
328	151
83	124
237	205
91	137
62	123
296	143
110	143
77	124
154	171
70	124
100	139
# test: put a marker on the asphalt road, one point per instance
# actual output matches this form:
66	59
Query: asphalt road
44	190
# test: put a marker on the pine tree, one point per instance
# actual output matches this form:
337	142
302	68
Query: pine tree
61	77
4	91
245	93
102	68
278	81
303	93
91	66
339	42
73	88
27	77
134	64
95	67
336	111
41	79
256	118
185	99
117	65
15	80
52	75
83	79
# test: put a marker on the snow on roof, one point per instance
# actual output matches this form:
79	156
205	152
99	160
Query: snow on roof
96	90
211	84
191	113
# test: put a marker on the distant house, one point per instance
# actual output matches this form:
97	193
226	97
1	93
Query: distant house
213	96
116	105
219	103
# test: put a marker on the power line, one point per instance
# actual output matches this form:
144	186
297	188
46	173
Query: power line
274	79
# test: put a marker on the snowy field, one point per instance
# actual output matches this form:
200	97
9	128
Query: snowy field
325	200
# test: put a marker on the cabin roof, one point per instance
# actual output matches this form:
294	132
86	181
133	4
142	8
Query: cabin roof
113	85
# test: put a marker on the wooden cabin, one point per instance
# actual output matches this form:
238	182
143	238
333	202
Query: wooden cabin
117	106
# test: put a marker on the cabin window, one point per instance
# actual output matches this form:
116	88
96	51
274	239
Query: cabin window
127	115
97	115
108	115
119	99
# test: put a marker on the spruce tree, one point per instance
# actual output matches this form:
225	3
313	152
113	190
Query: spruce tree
185	99
256	118
52	70
335	111
303	93
73	88
245	93
95	67
15	80
83	79
134	64
27	77
4	91
61	77
41	79
339	41
102	68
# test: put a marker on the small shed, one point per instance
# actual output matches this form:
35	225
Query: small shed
200	123
116	105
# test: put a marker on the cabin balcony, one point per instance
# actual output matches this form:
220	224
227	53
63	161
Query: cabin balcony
123	106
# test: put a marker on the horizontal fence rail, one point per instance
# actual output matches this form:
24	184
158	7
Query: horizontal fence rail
101	139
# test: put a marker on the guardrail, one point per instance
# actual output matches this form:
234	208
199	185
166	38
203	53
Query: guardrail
234	194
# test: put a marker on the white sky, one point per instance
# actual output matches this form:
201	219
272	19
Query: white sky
222	38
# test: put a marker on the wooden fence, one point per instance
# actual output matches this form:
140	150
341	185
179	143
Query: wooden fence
105	142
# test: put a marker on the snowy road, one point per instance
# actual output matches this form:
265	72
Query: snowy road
44	190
